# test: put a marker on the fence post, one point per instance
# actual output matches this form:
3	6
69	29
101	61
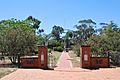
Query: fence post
18	60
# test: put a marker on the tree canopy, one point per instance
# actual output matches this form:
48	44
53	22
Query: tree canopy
17	37
56	31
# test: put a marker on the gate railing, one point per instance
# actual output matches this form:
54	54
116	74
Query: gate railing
51	60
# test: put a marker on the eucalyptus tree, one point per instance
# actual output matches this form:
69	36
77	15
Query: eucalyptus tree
85	29
35	23
56	31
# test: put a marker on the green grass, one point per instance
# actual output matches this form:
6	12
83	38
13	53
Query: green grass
56	54
6	71
75	60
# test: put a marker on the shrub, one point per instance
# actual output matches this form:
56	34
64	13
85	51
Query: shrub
59	49
49	50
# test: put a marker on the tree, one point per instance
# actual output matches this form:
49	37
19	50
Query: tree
85	29
107	39
35	23
16	37
68	39
43	39
56	31
111	32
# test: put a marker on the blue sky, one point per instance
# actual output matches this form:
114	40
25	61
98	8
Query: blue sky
65	13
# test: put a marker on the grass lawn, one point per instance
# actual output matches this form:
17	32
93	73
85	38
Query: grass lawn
56	55
6	71
75	60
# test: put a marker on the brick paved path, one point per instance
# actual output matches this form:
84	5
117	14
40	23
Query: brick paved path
64	61
65	71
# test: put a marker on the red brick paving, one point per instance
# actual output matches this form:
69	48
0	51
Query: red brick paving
77	74
64	71
64	61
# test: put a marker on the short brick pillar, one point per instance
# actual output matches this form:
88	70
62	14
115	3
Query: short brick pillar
85	56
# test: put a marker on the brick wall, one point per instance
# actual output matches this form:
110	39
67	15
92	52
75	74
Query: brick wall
97	62
29	62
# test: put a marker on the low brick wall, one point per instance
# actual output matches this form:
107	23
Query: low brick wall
29	62
98	62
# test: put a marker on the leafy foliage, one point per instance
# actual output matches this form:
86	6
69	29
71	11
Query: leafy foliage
56	31
35	23
101	40
85	29
59	48
17	37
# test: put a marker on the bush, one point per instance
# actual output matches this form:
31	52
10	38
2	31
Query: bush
59	49
49	50
54	43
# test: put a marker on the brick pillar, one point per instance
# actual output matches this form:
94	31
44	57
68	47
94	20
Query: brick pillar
85	56
42	57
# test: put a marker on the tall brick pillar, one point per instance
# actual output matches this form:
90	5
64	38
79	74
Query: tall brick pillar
85	56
